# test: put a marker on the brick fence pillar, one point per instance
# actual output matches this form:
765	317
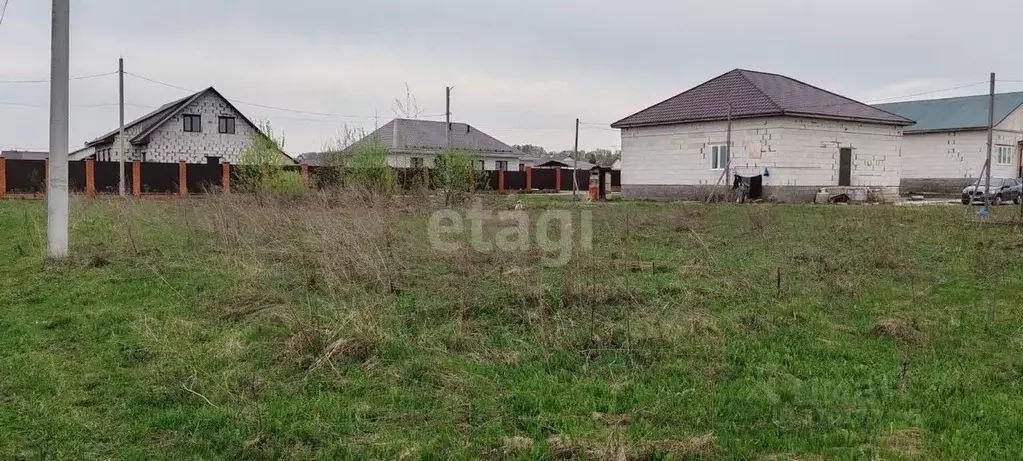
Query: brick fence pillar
225	178
136	178
305	174
529	178
3	176
182	178
90	178
500	181
557	179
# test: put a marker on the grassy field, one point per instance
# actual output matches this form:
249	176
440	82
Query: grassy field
231	329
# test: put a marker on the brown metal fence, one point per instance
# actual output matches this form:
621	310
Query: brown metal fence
91	177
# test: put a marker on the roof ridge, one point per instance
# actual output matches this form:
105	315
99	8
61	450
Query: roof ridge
839	96
743	72
675	96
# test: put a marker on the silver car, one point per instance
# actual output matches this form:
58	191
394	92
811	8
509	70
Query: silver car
1002	190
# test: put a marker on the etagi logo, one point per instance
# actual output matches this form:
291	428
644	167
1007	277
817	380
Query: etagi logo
552	231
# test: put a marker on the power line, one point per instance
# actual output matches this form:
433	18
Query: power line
3	12
269	107
84	77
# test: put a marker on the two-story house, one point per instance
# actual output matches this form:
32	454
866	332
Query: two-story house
202	128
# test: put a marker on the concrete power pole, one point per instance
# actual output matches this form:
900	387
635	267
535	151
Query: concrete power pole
57	184
447	113
575	162
990	141
120	136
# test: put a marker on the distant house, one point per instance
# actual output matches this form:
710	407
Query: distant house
566	162
201	128
416	143
24	155
947	148
805	138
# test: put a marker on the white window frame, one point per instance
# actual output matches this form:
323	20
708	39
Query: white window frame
1005	154
719	154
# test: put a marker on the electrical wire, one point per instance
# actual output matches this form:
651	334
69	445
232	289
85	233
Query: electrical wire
3	12
269	107
84	77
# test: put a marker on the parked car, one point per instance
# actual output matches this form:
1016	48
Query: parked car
1002	190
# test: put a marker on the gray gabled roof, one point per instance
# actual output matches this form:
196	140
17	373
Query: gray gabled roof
756	94
405	135
954	114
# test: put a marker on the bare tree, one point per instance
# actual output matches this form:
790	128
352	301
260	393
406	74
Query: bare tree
408	108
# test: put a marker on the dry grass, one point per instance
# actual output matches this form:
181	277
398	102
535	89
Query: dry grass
901	330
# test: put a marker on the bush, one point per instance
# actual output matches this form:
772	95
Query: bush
288	183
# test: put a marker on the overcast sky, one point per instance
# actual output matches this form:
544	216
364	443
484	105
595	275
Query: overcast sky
523	70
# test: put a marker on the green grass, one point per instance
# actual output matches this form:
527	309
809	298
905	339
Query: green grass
215	329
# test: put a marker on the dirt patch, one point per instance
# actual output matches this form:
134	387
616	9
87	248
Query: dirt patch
905	442
901	330
517	444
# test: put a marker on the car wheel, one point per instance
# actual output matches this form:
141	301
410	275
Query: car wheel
1018	200
998	200
966	201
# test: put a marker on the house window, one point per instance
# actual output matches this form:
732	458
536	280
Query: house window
417	162
193	123
502	165
226	125
1005	154
522	167
718	156
482	164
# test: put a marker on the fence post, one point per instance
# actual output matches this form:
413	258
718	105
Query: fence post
557	179
182	178
305	174
225	178
90	178
136	178
3	176
529	178
500	181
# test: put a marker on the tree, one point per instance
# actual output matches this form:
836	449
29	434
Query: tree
408	108
261	167
532	150
456	174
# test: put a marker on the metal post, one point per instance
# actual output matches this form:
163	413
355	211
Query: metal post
575	161
990	141
120	136
57	186
447	113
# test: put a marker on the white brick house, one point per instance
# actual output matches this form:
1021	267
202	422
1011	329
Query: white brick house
202	128
800	137
947	148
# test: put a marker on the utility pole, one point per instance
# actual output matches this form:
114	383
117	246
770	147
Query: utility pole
57	184
447	113
728	149
120	137
575	162
990	140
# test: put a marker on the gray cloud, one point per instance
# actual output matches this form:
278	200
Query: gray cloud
522	70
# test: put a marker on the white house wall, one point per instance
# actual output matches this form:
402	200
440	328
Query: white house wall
170	142
404	160
801	154
947	161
